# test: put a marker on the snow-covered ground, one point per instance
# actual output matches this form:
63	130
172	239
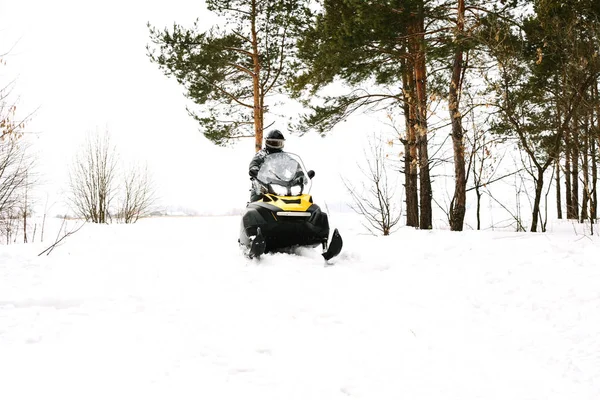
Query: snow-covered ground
169	309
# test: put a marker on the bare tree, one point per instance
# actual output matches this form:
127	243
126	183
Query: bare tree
375	203
138	197
92	179
11	125
15	164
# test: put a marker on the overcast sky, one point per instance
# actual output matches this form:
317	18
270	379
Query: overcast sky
83	66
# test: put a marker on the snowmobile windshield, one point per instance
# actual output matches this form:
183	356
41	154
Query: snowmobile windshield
283	174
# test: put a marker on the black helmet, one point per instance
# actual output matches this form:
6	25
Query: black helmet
275	140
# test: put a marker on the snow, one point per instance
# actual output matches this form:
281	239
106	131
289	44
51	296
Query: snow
169	308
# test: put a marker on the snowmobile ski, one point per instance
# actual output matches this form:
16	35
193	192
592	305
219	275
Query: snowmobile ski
258	246
335	246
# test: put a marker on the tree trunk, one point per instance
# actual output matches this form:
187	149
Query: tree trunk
558	195
568	174
586	173
258	107
557	163
477	171
458	204
25	217
541	169
478	193
594	194
410	155
575	169
421	92
539	185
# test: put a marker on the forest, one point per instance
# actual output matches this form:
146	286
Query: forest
465	85
485	74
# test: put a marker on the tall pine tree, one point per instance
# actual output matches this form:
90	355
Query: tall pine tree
380	48
230	71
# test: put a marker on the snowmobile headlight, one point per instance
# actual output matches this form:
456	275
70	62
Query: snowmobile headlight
279	190
296	190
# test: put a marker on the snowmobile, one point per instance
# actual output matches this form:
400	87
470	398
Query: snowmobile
285	216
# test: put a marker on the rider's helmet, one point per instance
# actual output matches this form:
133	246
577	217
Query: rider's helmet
274	140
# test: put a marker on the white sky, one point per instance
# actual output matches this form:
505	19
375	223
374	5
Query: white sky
83	66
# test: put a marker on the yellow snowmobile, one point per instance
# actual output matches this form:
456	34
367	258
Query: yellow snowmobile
285	215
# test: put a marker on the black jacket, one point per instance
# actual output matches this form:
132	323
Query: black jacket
259	159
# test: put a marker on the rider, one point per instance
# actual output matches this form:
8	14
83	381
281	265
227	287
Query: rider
274	143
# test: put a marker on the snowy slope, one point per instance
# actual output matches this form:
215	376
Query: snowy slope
169	309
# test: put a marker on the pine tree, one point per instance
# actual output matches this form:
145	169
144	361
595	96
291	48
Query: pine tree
379	48
230	71
544	70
